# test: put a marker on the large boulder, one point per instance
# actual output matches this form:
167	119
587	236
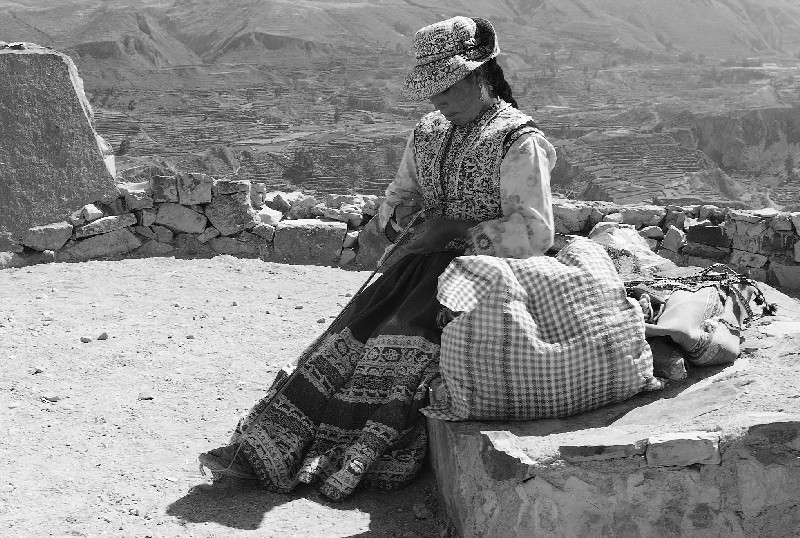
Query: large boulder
52	159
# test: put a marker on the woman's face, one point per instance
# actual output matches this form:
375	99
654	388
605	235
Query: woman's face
460	103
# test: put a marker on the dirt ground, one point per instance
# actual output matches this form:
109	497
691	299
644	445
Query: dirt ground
101	437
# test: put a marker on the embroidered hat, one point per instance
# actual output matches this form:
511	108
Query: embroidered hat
446	52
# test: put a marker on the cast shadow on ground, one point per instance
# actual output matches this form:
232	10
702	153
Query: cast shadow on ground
243	505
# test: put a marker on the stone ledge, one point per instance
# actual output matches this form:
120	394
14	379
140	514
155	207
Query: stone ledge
593	474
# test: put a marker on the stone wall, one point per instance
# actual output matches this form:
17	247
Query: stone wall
51	159
164	213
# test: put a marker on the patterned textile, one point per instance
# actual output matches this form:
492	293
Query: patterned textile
446	52
350	416
538	338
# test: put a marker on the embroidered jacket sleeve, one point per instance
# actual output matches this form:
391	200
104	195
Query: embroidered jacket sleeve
526	227
404	189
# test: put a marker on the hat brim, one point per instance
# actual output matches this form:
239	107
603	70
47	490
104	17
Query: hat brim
426	80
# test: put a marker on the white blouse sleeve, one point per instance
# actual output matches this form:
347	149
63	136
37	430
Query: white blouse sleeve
526	227
405	186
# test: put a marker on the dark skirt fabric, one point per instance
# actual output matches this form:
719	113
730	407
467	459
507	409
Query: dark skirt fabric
349	414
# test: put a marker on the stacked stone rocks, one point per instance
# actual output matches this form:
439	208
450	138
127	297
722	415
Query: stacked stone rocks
193	214
763	244
197	215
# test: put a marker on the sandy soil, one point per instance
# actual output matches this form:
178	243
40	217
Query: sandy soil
101	437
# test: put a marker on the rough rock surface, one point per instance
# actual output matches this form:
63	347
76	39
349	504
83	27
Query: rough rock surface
308	241
53	160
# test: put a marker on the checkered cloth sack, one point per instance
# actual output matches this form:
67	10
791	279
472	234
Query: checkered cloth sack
539	337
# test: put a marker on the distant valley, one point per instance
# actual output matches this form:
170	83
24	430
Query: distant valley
687	101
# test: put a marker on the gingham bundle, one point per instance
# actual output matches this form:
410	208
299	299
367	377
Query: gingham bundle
538	337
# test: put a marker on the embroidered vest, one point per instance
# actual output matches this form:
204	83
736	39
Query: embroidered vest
458	166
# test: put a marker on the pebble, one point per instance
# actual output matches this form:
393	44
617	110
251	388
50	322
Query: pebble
13	405
85	339
267	312
298	307
52	398
103	336
321	320
234	303
145	396
190	337
348	294
35	370
422	511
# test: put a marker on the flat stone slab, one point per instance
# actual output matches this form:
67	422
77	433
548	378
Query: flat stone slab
309	241
713	455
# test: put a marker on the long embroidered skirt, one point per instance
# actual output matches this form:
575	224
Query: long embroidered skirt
350	414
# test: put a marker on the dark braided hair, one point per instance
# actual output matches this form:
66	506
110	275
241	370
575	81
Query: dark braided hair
493	75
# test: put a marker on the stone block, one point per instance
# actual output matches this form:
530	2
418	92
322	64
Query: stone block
683	449
347	256
111	244
782	222
188	245
350	240
164	188
776	242
180	219
714	235
675	217
91	212
76	218
234	247
194	188
705	251
671	255
745	234
147	218
614	217
766	213
151	249
230	186
674	239
695	261
9	260
712	213
136	195
265	231
372	203
207	235
145	231
309	241
787	276
644	215
232	213
795	218
47	237
652	232
105	225
53	160
603	444
652	243
335	201
570	217
346	213
741	215
302	207
163	234
281	201
748	259
257	192
270	216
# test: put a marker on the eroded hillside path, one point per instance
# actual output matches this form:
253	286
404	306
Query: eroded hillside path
101	437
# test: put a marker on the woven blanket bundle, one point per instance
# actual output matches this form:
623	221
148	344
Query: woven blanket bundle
539	337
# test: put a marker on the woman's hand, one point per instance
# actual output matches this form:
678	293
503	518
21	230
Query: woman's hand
433	235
